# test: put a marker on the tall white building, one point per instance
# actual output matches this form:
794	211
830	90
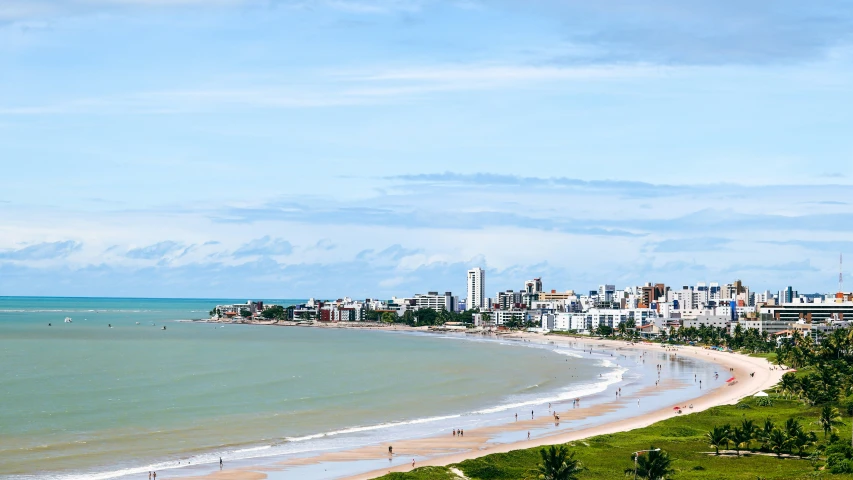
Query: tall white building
476	289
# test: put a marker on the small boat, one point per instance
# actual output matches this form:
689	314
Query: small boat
67	319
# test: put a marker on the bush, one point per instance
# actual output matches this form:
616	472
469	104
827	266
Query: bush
837	463
842	448
764	402
698	467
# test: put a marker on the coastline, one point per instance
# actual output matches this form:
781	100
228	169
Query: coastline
437	450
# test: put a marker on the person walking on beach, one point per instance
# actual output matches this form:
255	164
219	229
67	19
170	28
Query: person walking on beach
413	463
220	463
516	417
528	434
155	475
454	432
149	475
531	414
390	450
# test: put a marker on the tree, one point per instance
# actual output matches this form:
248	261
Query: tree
651	465
778	441
276	311
802	440
750	431
245	313
425	316
765	432
558	464
788	384
389	317
718	437
829	419
740	438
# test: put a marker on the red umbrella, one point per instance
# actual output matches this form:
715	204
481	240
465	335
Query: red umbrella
676	408
731	379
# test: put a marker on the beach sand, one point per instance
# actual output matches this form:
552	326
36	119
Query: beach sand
444	450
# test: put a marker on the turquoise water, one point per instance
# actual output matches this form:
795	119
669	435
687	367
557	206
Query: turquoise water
83	400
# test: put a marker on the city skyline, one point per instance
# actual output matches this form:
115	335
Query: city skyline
254	148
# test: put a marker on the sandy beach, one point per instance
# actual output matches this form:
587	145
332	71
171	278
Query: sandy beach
444	450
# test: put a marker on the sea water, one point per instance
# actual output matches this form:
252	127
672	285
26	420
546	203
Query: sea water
113	393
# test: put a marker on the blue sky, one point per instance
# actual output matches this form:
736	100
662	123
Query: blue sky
291	148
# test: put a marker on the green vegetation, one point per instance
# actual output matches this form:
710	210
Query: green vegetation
276	312
799	432
558	464
691	454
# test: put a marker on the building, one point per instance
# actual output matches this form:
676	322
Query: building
533	287
503	317
650	294
716	321
476	289
509	299
810	312
435	301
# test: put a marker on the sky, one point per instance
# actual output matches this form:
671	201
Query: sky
370	148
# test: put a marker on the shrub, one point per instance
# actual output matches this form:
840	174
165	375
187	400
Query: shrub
764	402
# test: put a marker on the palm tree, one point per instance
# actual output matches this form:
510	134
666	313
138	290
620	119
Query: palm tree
739	437
558	464
766	430
802	440
750	431
829	419
788	384
718	437
778	441
792	427
653	465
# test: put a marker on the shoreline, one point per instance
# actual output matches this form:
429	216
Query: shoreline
764	379
436	450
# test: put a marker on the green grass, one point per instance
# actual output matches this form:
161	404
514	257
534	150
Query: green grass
423	473
683	437
771	357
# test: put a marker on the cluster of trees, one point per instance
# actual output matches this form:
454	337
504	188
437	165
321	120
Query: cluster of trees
749	339
788	438
740	339
827	375
560	464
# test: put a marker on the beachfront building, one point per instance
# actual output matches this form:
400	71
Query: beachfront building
765	324
476	286
716	321
435	301
236	310
504	317
814	311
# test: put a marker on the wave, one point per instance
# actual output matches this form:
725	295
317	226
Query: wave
348	437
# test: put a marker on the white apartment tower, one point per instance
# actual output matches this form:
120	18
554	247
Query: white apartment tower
476	289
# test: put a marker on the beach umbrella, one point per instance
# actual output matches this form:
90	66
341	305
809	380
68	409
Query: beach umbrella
730	380
761	394
676	408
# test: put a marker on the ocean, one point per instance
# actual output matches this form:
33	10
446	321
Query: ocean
113	394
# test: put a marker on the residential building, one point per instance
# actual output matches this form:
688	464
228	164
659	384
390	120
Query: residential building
476	289
533	287
435	301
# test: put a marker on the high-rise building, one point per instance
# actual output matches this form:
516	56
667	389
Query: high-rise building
533	286
476	289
